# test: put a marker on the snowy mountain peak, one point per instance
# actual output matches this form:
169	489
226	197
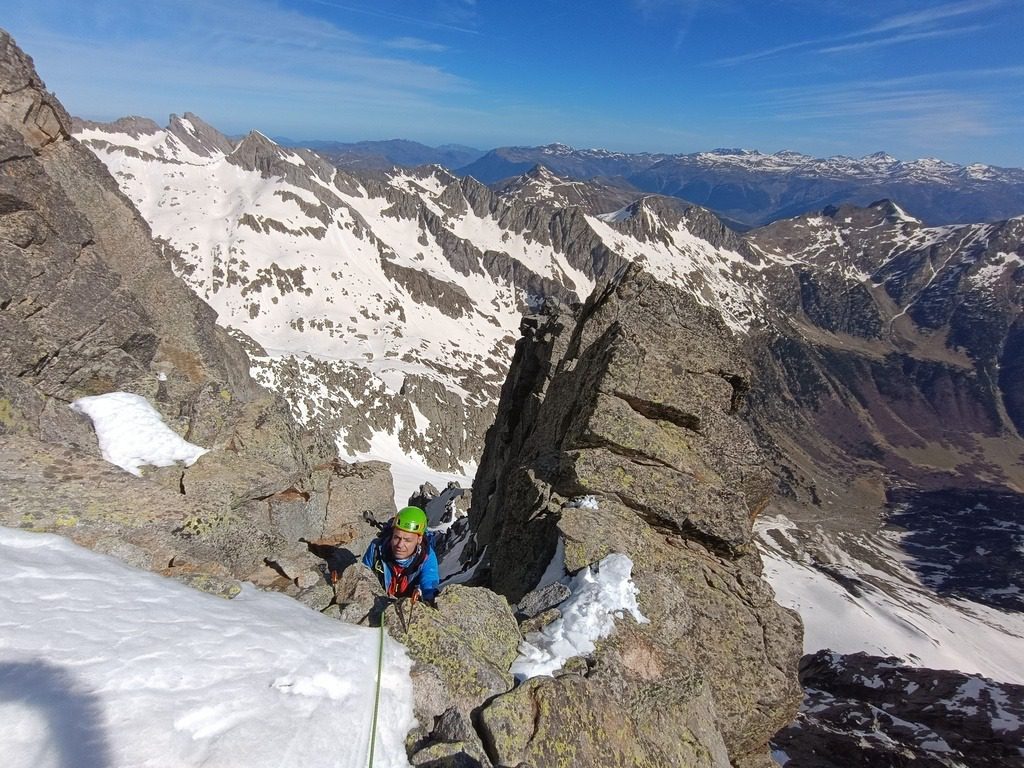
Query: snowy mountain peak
557	148
255	139
541	186
199	136
132	125
878	212
541	172
257	152
894	214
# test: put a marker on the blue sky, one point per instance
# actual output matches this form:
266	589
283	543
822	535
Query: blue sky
914	78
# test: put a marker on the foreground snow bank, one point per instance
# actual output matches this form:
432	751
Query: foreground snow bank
106	666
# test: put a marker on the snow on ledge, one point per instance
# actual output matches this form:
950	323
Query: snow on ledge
599	596
131	432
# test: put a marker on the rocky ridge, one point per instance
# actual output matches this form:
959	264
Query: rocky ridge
417	259
412	264
635	400
385	155
539	186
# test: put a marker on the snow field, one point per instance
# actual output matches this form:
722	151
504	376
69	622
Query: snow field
687	258
409	470
106	666
906	620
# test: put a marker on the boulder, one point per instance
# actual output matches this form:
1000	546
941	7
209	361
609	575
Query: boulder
568	721
351	490
464	646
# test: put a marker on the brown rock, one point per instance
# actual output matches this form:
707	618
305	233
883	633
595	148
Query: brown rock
637	400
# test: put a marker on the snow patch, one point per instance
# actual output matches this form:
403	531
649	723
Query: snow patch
894	615
131	433
599	596
105	665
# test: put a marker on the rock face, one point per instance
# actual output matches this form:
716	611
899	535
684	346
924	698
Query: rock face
462	648
636	400
868	711
88	305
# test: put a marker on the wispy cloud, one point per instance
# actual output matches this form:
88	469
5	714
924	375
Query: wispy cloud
683	12
459	13
451	15
897	30
900	39
684	6
247	64
415	44
764	53
936	110
933	15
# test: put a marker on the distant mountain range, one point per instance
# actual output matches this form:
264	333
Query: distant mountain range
382	155
745	188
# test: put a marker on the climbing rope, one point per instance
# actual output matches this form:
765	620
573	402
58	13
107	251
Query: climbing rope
376	695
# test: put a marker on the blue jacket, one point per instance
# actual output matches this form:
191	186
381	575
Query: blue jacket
401	578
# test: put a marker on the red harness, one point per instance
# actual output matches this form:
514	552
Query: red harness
399	580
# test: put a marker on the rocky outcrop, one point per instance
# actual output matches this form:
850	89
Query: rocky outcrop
462	647
198	135
133	125
88	305
637	401
869	711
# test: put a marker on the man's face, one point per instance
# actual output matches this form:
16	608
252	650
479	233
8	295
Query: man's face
403	543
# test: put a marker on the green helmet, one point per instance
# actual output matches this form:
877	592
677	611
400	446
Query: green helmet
411	519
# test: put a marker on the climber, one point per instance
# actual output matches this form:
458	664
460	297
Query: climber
402	556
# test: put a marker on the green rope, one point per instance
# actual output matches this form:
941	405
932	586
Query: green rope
376	696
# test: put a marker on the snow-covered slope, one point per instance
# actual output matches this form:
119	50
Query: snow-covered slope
106	666
386	307
857	592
